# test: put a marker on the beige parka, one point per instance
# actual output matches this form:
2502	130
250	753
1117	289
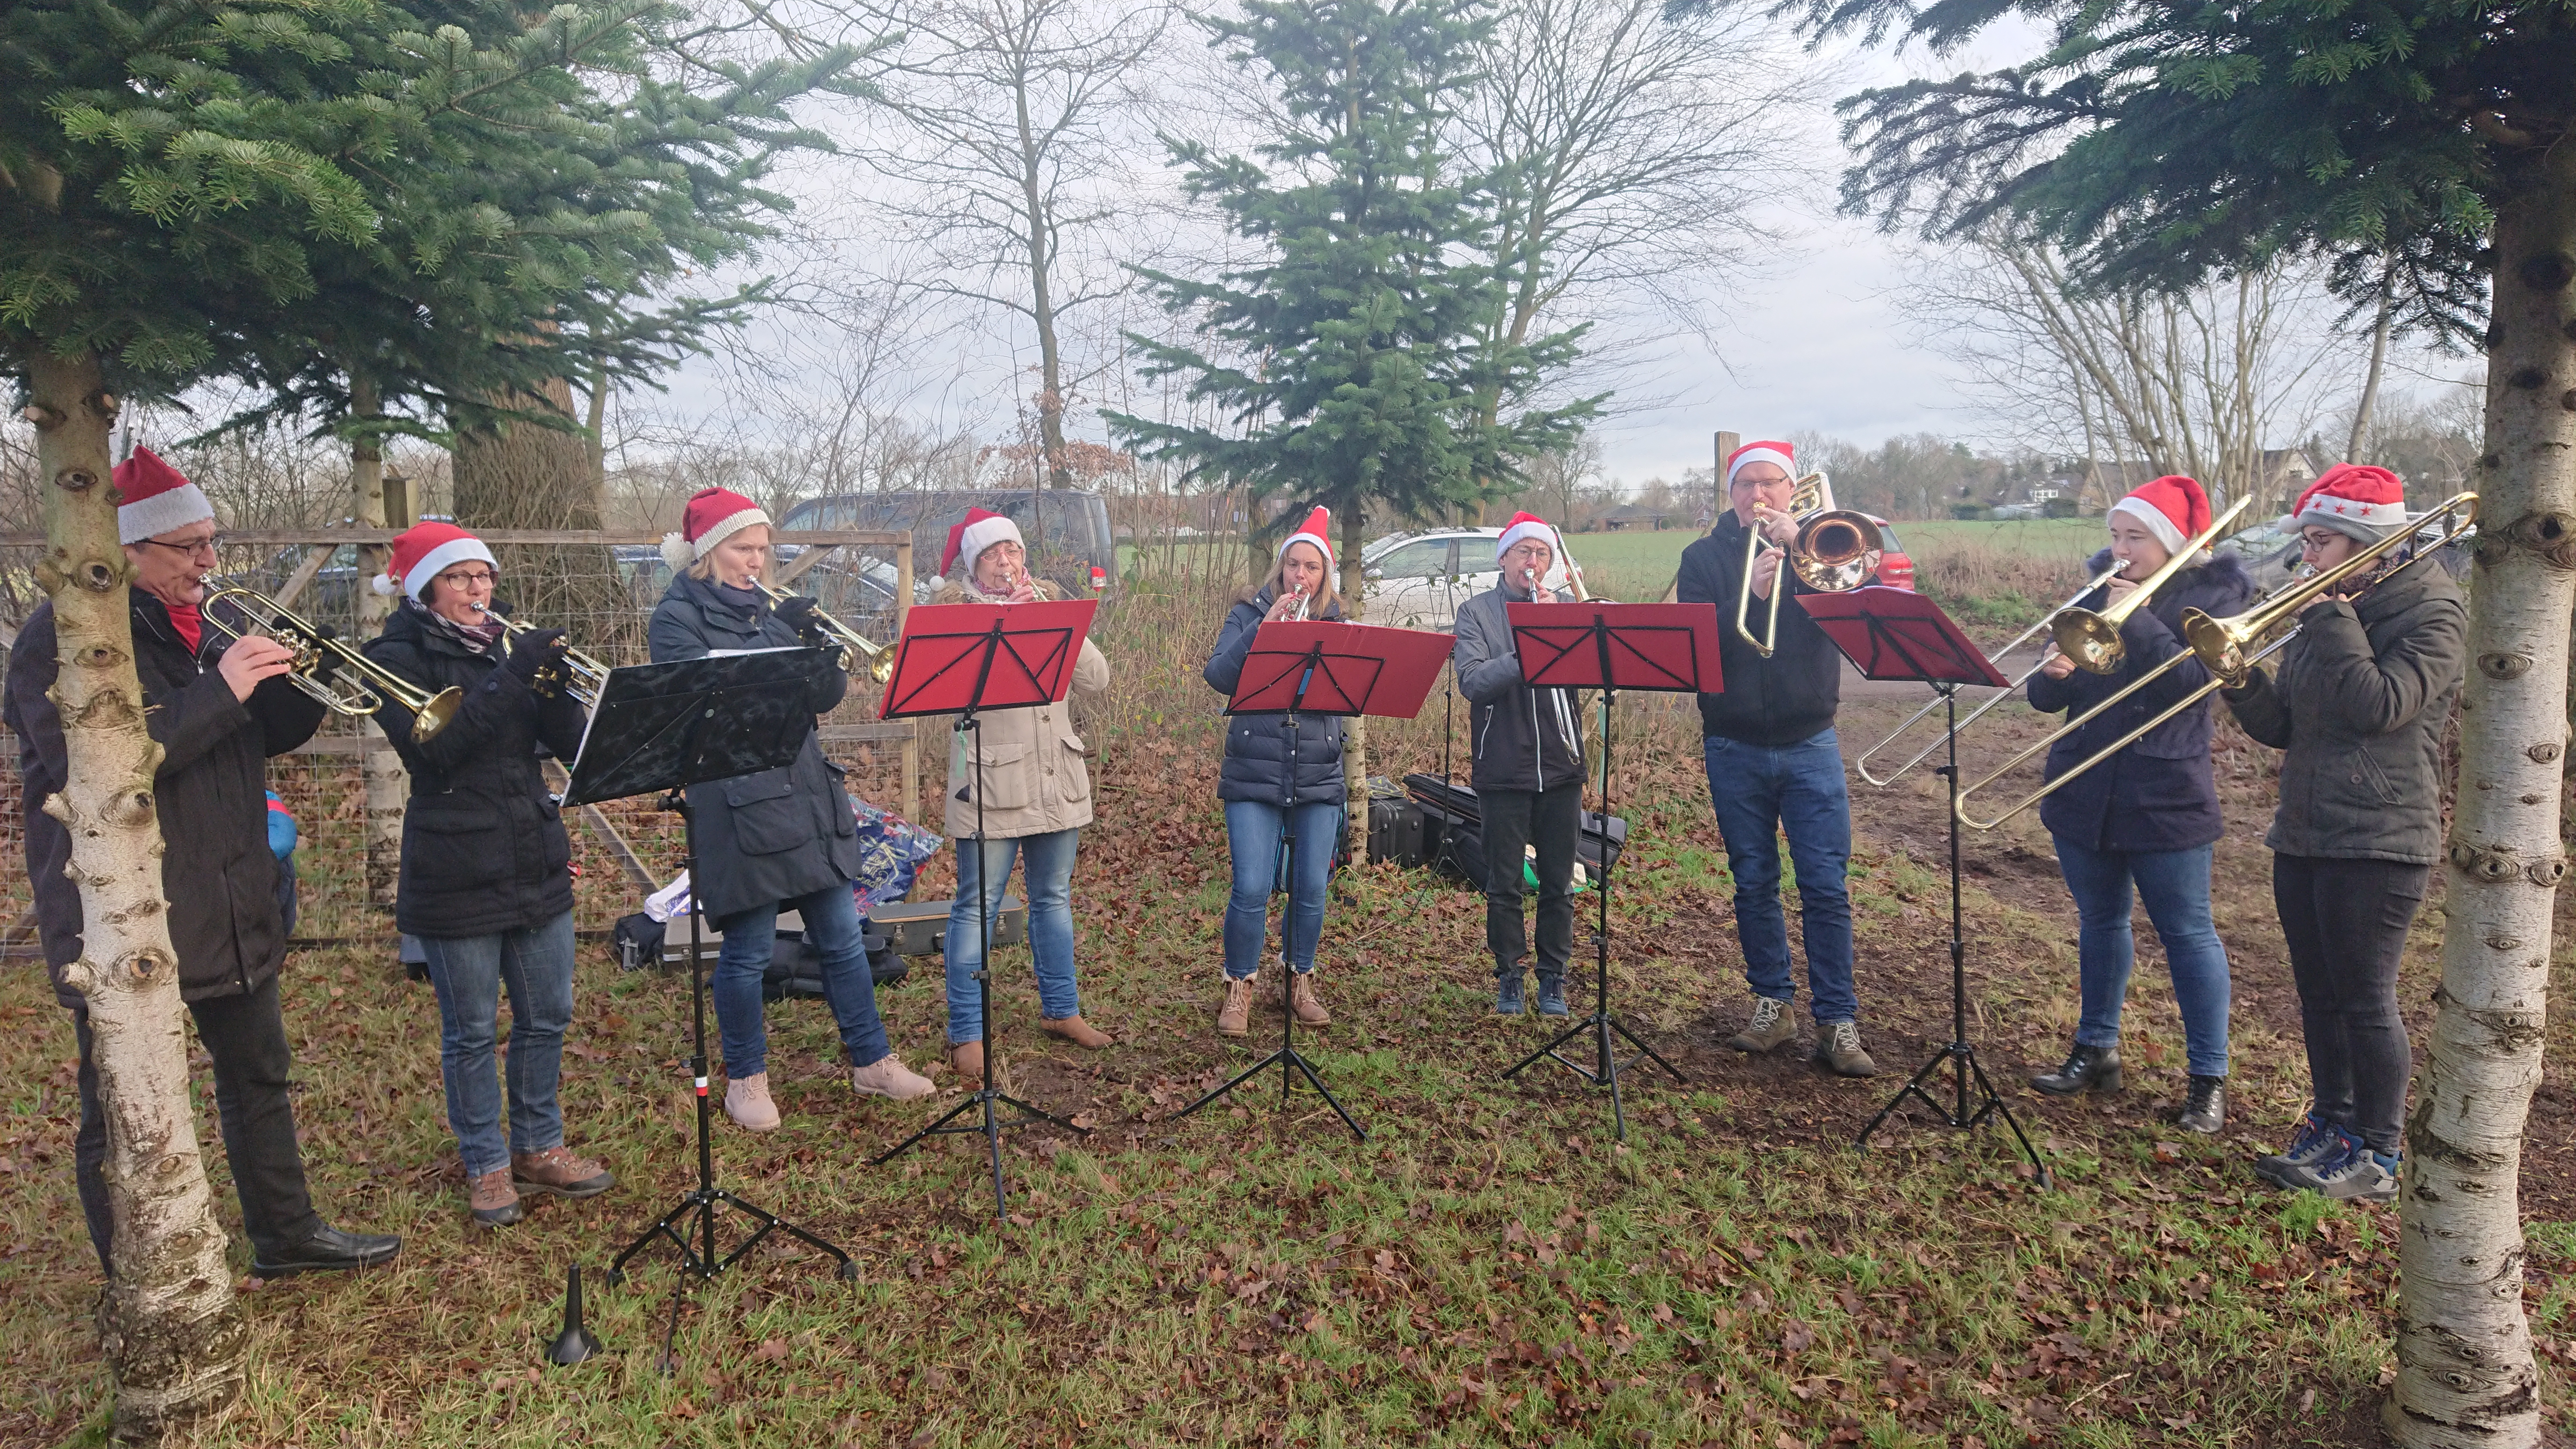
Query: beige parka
1036	775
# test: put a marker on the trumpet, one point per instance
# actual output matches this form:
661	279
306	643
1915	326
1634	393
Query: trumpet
854	646
2221	646
261	615
1861	764
2092	639
1836	550
577	674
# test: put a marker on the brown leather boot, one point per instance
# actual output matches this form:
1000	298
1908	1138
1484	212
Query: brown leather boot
558	1171
1075	1030
1302	1000
1235	1017
493	1201
966	1059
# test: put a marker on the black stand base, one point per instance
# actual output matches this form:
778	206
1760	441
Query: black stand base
984	1102
1292	1064
1972	1109
1605	1067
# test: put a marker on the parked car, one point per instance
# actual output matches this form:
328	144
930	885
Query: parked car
1418	580
1066	530
2270	551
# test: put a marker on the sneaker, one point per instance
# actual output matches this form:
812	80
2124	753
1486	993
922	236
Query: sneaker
2316	1137
1838	1050
2351	1172
1551	995
747	1103
1770	1029
887	1076
1507	994
558	1171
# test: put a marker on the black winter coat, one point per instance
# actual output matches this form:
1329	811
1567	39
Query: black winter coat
775	834
1523	738
1776	701
1256	745
211	793
484	848
2363	694
2156	794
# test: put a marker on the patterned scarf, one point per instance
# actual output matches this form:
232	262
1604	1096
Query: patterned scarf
479	638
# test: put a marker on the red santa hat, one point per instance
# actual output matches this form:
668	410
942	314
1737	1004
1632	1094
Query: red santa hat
1764	450
1526	525
2354	499
2174	509
1317	530
713	515
979	530
424	551
155	498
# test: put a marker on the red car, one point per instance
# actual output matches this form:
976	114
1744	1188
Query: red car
1895	566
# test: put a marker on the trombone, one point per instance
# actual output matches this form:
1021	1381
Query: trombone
2221	645
576	674
1861	765
853	645
2092	639
262	615
1836	549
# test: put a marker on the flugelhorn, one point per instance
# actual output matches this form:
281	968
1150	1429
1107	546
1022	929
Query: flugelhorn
576	674
2092	638
1836	550
2220	646
1861	764
261	615
854	646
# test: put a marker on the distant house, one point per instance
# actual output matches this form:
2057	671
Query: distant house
1633	517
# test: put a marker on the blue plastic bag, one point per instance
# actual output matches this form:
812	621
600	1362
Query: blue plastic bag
891	850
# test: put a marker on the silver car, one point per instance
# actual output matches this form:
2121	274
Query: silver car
1418	580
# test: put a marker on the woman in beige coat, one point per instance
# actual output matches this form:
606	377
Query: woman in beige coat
1036	799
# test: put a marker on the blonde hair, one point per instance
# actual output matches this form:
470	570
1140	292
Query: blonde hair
1326	596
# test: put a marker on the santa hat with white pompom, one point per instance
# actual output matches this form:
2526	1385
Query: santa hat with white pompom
713	515
424	551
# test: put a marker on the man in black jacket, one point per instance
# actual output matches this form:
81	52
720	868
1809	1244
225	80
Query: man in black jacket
1528	773
1774	766
217	713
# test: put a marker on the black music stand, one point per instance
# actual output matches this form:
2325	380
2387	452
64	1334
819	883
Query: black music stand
1898	634
667	727
960	659
1317	666
1659	648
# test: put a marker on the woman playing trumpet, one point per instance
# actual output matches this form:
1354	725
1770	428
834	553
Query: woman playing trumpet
2141	826
486	883
2357	709
1274	778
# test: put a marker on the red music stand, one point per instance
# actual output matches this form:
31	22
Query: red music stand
961	659
1661	648
1319	666
1898	634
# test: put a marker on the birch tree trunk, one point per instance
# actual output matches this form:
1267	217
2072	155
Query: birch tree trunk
1355	736
388	784
2464	1365
170	1329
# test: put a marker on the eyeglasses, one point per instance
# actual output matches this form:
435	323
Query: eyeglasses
206	546
467	578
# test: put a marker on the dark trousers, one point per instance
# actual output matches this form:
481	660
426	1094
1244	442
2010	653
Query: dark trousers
247	1038
2346	923
1514	821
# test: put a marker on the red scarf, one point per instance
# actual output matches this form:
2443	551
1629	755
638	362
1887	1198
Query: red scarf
190	624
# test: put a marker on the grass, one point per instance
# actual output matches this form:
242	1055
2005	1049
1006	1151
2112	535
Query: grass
1490	1267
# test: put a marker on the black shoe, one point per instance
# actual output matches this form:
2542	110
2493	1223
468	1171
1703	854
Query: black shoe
2205	1110
2087	1069
1507	993
330	1250
1551	995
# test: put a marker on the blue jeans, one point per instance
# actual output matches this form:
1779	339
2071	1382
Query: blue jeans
985	866
831	917
1760	791
469	974
1252	836
2174	884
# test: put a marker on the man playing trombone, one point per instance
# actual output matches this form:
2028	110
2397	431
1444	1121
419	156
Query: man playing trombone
1775	766
218	711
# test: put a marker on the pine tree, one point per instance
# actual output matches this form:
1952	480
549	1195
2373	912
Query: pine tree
2429	151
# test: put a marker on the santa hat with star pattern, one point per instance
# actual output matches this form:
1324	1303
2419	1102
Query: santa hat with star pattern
2356	500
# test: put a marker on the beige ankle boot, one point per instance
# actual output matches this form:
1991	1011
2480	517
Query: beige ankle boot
1235	1017
747	1103
887	1076
1302	1000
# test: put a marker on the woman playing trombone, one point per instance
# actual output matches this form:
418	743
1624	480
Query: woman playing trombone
2141	825
2358	707
486	883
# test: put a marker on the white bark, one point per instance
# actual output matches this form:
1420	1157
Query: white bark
173	1335
2464	1365
388	784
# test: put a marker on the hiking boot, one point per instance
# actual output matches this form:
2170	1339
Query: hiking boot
1302	1000
1551	994
1507	993
747	1103
1838	1050
1769	1030
2351	1172
2087	1069
1235	1017
966	1059
493	1200
558	1171
2205	1109
2316	1137
1075	1030
887	1076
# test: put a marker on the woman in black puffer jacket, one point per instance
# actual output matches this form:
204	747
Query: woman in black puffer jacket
2141	825
1274	777
486	880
